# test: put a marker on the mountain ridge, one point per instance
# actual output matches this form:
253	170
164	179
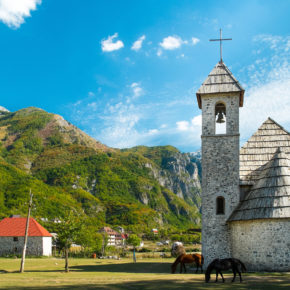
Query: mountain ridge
146	185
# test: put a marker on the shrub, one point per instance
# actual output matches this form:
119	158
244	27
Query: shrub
144	250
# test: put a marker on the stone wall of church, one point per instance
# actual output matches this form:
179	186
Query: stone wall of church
14	246
220	177
263	245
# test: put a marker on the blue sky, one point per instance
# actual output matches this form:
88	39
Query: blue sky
126	72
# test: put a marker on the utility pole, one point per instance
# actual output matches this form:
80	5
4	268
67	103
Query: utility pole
26	234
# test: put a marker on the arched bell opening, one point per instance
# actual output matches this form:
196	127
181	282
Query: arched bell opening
220	118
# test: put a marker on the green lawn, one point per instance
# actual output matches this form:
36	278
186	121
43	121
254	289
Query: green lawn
47	273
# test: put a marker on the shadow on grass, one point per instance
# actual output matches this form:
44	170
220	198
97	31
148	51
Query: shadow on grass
153	268
170	284
135	268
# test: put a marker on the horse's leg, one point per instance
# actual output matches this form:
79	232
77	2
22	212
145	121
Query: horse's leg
240	276
235	273
196	268
184	268
181	264
216	277
222	276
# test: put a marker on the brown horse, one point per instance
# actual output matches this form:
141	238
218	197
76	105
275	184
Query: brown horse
183	259
225	264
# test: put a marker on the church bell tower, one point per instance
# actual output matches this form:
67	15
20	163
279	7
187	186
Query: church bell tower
219	98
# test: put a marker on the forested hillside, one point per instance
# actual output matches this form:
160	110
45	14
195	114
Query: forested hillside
67	169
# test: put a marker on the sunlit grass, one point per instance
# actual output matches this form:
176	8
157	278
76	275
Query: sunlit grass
48	273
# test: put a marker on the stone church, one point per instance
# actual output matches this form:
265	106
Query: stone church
245	192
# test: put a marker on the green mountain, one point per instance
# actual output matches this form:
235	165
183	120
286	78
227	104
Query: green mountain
66	168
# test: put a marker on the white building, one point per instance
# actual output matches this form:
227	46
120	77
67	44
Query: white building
12	232
114	238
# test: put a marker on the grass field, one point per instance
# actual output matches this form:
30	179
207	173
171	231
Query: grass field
47	273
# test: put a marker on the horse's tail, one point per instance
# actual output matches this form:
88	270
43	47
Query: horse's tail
244	269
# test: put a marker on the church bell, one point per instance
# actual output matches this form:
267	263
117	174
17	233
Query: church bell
220	118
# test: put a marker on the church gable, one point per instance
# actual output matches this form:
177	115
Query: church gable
260	148
270	195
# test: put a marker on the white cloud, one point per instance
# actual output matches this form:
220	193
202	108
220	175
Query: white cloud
134	85
175	42
182	125
109	45
159	52
126	121
171	42
188	132
196	121
153	131
193	126
268	93
13	12
138	43
195	40
263	101
137	90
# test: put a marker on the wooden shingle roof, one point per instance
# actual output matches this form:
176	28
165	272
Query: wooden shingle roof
220	80
270	195
259	150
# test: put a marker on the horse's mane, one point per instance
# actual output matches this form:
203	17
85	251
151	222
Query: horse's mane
211	266
177	260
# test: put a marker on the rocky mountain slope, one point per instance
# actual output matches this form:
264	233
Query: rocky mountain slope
151	186
178	172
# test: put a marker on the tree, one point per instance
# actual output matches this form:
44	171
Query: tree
67	232
89	239
134	241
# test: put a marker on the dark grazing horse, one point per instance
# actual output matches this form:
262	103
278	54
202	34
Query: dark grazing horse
225	264
183	259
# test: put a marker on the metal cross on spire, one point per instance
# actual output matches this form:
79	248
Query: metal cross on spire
220	40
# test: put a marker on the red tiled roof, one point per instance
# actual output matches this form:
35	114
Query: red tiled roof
109	231
15	227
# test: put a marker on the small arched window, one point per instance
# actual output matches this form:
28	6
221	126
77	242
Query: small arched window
220	205
220	118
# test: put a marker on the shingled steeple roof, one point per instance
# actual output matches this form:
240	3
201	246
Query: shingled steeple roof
270	195
220	80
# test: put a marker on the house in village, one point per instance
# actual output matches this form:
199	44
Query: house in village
114	238
12	232
245	192
120	229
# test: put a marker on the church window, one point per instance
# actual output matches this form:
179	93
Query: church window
15	239
220	205
220	118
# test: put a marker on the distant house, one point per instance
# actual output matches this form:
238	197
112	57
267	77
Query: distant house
114	238
12	232
120	229
120	239
154	231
